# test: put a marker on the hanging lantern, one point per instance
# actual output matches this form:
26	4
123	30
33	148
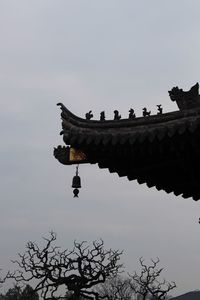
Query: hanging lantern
76	183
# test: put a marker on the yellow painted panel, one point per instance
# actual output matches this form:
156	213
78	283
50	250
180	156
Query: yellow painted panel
76	155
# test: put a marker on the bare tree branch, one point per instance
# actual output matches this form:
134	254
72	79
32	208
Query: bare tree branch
79	269
115	288
147	282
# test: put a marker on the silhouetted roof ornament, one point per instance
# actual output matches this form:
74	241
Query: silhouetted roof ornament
132	114
160	109
186	100
116	115
145	112
102	116
89	115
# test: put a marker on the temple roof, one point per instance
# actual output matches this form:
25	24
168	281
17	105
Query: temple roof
160	150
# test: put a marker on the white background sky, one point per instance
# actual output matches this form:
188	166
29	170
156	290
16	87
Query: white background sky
98	55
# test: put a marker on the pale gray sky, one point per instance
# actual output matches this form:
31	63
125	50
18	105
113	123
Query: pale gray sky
99	55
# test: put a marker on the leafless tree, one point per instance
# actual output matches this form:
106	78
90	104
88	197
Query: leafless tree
116	288
78	270
147	283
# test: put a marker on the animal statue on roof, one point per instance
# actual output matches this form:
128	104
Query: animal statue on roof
117	116
145	112
186	99
89	115
102	116
160	109
131	114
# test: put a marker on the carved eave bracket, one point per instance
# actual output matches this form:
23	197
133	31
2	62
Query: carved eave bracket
69	155
186	99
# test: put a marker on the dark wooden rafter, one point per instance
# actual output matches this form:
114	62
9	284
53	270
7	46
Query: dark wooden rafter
159	150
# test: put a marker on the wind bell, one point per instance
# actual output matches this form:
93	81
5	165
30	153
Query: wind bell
76	183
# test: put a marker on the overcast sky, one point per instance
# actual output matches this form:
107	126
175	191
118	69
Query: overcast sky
93	55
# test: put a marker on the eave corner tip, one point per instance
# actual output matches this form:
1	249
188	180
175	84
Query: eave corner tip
60	104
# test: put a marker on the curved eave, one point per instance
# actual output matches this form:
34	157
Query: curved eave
72	120
161	150
77	131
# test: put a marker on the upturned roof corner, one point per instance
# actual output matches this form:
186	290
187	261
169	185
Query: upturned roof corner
160	150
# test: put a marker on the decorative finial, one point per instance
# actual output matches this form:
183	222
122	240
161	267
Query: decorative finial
160	109
102	116
186	99
116	115
145	112
131	114
89	115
